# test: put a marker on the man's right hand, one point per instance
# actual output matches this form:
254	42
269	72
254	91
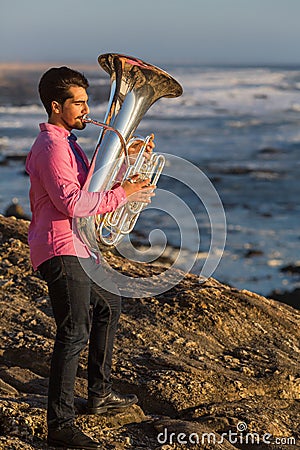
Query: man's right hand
138	190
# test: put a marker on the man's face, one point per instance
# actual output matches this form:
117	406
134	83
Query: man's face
69	115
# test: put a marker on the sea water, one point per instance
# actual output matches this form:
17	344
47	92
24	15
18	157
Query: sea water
239	127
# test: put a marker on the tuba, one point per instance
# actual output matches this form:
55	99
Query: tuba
135	86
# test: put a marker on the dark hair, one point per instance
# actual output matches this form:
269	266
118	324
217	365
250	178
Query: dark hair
55	84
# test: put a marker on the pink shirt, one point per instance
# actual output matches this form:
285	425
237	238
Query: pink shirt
56	195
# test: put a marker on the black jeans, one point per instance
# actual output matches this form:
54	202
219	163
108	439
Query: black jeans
83	311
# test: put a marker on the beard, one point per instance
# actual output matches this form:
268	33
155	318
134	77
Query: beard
79	124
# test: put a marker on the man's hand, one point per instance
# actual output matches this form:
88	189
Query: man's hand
138	190
136	146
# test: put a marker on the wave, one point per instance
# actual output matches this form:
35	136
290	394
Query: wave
210	92
12	145
23	109
235	91
11	124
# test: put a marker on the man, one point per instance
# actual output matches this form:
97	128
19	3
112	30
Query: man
82	309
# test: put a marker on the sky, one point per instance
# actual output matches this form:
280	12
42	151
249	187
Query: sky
159	31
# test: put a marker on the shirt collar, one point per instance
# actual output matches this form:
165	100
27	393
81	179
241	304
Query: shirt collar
59	131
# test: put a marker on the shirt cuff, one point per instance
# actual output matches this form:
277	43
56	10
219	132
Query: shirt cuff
121	195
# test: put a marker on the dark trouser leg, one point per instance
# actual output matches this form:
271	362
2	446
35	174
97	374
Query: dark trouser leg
69	291
106	313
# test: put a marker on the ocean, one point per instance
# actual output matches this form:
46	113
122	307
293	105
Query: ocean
234	129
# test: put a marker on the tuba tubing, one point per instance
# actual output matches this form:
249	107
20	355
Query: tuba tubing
135	86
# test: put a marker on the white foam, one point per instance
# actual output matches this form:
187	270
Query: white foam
10	124
240	91
26	109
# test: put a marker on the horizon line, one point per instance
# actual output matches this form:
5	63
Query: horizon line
93	65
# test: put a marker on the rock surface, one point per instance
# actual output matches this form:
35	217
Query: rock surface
203	358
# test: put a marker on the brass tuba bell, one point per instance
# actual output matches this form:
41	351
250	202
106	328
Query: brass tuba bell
135	86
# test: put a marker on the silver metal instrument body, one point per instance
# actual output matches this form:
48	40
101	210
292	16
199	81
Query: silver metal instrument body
135	86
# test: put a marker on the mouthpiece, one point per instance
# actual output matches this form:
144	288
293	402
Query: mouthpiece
86	119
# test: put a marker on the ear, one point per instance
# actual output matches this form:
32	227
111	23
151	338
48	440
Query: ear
56	107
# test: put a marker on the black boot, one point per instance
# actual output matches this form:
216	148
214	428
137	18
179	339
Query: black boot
111	401
71	437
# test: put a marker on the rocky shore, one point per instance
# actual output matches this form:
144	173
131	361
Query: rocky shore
209	363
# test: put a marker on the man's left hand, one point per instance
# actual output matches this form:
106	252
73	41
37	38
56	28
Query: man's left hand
136	146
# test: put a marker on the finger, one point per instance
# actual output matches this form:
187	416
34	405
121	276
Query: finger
150	141
138	180
146	192
150	144
135	177
149	188
148	197
145	183
147	155
150	148
140	198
